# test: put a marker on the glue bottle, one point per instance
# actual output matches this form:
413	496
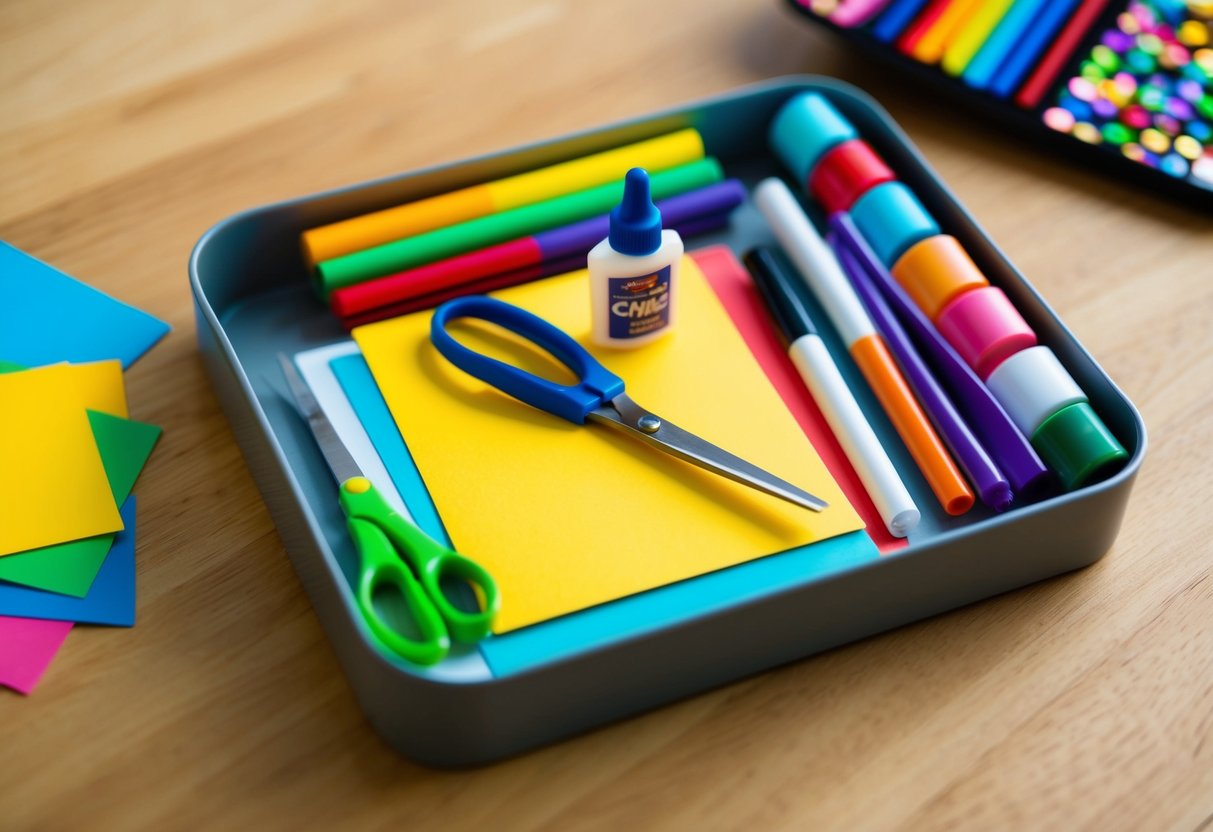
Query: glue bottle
634	271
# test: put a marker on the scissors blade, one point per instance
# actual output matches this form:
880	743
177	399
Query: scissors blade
338	457
624	414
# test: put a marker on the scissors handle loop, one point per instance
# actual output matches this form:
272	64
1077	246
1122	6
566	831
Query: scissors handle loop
396	555
597	385
382	570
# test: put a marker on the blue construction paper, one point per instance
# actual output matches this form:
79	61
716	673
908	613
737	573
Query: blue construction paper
550	641
110	600
47	317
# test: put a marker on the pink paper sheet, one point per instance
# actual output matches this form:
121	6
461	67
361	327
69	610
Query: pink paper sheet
27	646
736	291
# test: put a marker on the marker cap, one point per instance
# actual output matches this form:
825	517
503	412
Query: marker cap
935	271
1031	386
892	219
984	328
804	129
1076	444
846	173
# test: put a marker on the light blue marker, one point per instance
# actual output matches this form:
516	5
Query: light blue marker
1034	41
981	70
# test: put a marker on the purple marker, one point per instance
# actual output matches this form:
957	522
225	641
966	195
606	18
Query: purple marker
978	467
1001	438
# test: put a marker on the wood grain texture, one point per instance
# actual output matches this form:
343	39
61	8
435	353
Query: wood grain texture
131	126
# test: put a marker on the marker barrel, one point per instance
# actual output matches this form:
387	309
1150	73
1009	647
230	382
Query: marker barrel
832	395
1010	448
507	225
821	271
845	418
980	469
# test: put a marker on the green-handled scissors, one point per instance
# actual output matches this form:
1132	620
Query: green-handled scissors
394	553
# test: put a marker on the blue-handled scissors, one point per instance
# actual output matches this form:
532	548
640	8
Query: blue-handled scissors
598	396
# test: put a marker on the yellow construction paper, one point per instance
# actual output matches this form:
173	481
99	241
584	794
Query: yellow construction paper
567	516
53	486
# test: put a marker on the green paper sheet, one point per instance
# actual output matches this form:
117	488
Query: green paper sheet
69	568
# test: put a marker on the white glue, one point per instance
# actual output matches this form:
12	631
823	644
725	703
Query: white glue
634	272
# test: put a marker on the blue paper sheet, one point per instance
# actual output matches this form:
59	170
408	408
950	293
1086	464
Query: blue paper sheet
560	638
110	600
47	317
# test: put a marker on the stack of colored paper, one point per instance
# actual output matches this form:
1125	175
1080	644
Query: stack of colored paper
71	456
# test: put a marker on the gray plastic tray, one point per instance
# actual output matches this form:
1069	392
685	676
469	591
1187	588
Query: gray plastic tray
253	300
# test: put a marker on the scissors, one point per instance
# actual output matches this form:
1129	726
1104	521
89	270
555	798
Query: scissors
395	554
598	396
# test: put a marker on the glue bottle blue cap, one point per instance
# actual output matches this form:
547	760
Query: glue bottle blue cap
635	221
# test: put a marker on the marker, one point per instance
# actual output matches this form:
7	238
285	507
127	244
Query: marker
895	19
369	230
1002	41
501	280
808	352
558	244
820	270
991	485
1035	40
972	35
507	225
997	431
1057	56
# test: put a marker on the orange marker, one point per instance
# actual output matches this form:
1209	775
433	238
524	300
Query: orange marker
818	266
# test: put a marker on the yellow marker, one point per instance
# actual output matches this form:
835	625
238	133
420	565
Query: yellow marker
930	47
973	35
392	224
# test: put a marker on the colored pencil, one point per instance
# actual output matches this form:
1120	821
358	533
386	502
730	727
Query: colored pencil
895	19
1031	46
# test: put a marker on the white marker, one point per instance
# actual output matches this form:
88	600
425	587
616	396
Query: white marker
808	352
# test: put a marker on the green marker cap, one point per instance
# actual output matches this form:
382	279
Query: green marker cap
1076	444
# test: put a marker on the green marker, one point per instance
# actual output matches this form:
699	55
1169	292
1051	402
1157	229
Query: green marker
411	252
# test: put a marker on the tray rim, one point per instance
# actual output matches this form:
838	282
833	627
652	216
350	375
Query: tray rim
791	84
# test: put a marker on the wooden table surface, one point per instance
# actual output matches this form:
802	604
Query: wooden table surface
131	126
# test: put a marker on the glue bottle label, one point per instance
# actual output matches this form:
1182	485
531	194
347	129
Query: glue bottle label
639	305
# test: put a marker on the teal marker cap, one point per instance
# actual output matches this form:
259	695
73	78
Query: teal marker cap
892	220
804	129
1076	444
635	221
